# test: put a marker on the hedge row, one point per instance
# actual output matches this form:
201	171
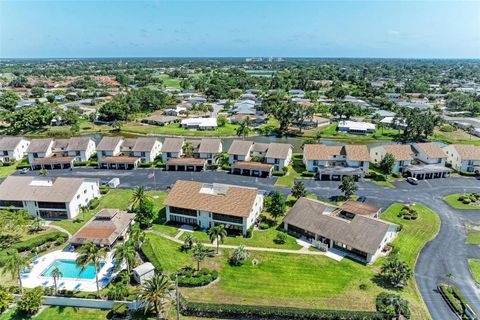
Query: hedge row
456	299
39	240
234	311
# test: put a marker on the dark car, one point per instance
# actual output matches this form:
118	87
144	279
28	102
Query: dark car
362	199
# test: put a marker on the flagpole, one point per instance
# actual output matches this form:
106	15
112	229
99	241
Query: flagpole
154	181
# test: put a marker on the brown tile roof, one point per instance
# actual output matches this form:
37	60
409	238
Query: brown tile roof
9	143
399	151
52	160
24	188
362	233
430	149
39	145
78	143
144	144
104	228
278	150
251	165
210	146
187	161
119	159
218	198
240	147
360	208
109	143
172	145
357	153
467	151
320	151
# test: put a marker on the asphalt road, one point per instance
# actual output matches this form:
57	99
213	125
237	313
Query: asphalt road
447	253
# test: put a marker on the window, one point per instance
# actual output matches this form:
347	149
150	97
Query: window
6	203
183	211
52	205
227	218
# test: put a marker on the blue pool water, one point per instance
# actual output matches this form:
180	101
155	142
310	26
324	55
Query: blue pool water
70	269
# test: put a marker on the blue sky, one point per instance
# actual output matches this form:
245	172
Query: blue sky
166	28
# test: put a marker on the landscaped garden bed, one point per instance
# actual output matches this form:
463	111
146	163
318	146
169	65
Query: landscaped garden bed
455	299
469	201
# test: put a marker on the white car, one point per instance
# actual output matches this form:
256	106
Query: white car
412	180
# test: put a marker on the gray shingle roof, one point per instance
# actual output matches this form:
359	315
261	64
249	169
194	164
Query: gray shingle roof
172	145
278	150
109	143
39	145
78	143
144	144
9	143
240	147
210	146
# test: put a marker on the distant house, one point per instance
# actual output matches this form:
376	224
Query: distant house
127	153
48	197
176	111
414	105
13	148
197	100
382	114
336	162
159	119
244	107
200	123
296	93
253	119
208	205
105	229
463	157
275	157
356	127
351	229
60	153
402	153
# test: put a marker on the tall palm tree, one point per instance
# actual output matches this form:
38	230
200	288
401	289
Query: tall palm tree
137	236
221	158
14	264
56	274
217	233
155	293
199	253
243	129
139	196
83	210
125	253
188	241
91	254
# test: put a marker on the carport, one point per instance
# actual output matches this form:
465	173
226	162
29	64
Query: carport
52	163
186	164
250	168
336	173
119	163
427	171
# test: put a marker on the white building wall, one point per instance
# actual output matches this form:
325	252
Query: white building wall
389	236
88	190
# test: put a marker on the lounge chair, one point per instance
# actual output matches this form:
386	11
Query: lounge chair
77	287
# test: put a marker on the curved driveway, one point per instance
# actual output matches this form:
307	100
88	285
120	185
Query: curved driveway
446	253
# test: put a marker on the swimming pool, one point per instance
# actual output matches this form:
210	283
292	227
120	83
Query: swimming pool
69	269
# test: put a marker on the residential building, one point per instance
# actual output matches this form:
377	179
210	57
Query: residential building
200	123
209	149
204	152
336	162
127	153
279	154
354	127
81	148
48	197
429	153
172	148
147	149
463	157
157	118
105	229
208	205
351	229
13	148
402	153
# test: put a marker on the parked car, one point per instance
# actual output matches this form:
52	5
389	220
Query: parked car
24	170
362	199
114	183
412	180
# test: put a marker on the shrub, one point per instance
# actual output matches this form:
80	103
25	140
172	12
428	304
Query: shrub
392	305
281	238
5	299
238	256
120	309
189	277
212	167
278	173
145	164
447	128
160	164
226	167
94	203
23	166
455	298
104	189
466	201
263	225
7	164
396	175
308	174
39	241
249	232
81	164
30	302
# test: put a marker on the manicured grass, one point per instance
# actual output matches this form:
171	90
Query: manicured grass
473	237
474	265
383	184
5	171
72	313
175	129
452	200
289	179
169	81
165	229
330	131
115	198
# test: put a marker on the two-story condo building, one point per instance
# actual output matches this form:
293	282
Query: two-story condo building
47	197
13	148
336	162
430	162
463	157
351	229
204	152
172	148
402	153
269	156
207	205
147	149
127	153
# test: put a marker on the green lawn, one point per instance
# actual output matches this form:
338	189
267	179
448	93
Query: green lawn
452	200
473	237
115	198
331	132
175	129
474	265
72	313
170	82
5	171
289	179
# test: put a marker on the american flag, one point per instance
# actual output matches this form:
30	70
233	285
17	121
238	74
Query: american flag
151	175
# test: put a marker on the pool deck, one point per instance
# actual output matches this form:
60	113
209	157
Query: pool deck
34	278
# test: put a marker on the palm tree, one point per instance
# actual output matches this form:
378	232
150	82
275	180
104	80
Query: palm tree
188	150
217	233
243	129
14	264
139	196
199	253
125	253
83	210
137	236
189	241
91	254
221	158
36	224
155	293
56	274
